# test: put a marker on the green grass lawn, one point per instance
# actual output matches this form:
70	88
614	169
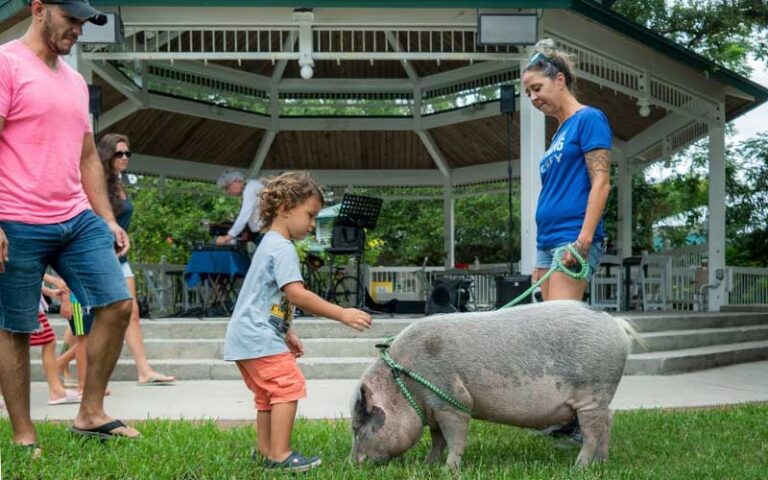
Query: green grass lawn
727	443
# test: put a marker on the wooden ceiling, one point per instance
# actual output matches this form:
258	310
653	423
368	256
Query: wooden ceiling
472	142
348	151
163	134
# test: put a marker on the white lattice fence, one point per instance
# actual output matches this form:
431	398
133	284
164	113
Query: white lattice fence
748	286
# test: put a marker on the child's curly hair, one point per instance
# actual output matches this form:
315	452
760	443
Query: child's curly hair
285	191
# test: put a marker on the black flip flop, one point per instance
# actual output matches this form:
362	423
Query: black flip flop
102	432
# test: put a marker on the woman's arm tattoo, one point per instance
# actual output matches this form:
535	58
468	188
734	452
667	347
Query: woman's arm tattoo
598	161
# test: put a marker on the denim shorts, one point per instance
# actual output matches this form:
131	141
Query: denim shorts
82	252
544	258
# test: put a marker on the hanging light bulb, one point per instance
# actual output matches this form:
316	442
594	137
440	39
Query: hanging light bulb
645	107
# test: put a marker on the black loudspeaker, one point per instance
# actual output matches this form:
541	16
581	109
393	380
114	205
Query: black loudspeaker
507	99
449	295
510	287
347	237
94	99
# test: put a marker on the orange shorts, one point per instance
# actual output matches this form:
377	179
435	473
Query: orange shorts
273	379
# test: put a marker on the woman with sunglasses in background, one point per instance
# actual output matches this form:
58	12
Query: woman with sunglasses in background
575	178
114	153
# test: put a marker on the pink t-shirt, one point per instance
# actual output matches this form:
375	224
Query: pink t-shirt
46	120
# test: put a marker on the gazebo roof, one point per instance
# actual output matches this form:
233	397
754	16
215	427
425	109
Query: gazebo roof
197	89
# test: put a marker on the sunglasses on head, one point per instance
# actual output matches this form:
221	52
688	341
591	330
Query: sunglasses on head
120	153
539	57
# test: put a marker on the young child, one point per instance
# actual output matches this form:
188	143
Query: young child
259	337
80	323
46	338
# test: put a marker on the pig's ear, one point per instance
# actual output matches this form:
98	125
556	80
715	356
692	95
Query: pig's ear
366	399
367	412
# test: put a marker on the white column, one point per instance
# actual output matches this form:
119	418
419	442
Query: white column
624	227
76	61
718	295
84	68
532	147
449	225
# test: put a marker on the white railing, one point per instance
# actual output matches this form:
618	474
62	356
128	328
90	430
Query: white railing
166	292
278	43
692	256
163	286
747	286
414	283
682	285
405	283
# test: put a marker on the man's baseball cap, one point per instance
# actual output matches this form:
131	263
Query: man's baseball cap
79	9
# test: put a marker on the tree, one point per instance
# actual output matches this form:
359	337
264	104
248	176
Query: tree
168	215
725	31
730	33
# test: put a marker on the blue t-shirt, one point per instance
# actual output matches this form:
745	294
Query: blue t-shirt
263	315
565	183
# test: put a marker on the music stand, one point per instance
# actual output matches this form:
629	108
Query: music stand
358	212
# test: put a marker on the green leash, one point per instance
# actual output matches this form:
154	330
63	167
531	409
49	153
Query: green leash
398	370
557	265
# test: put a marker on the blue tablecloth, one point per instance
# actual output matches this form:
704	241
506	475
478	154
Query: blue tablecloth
203	263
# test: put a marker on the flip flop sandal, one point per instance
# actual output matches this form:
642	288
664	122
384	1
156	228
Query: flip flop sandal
102	432
72	396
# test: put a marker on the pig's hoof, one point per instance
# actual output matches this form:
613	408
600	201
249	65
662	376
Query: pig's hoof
433	459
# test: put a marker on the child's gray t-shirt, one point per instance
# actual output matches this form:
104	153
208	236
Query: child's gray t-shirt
263	314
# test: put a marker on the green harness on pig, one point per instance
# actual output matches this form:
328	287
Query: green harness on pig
398	370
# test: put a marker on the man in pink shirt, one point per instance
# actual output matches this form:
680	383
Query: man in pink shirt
54	211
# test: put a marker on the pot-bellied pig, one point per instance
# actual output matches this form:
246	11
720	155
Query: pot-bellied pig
532	366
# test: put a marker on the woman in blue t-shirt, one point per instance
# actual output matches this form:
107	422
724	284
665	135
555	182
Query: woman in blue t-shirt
115	154
575	172
575	180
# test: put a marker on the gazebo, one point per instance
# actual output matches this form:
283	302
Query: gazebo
395	93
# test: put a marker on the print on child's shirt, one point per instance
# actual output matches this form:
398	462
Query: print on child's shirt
281	316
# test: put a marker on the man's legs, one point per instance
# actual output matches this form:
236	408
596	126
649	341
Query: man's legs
14	378
104	344
89	266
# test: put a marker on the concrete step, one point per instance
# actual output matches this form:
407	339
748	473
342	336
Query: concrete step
214	349
210	369
690	359
745	308
216	329
385	326
653	363
704	337
658	322
184	349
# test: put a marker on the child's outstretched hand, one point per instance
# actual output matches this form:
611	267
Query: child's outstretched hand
356	319
294	344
